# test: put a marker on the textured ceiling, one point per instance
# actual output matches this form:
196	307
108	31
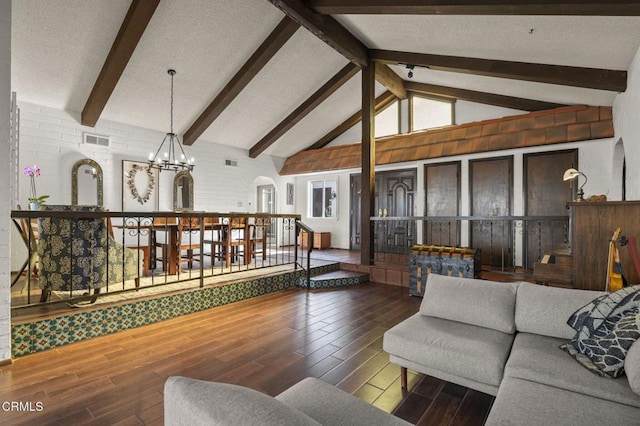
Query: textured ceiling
59	47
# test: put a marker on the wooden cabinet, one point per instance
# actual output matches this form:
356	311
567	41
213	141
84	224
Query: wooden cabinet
321	240
592	225
558	272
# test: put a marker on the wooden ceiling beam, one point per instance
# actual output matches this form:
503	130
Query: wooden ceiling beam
272	44
592	78
392	81
381	102
133	26
344	75
327	29
473	7
480	97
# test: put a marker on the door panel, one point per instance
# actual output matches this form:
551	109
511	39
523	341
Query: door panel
442	187
491	187
395	196
399	189
546	194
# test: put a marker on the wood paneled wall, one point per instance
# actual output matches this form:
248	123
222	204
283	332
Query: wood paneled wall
592	225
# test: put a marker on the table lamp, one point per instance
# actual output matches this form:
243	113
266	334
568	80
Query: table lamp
572	173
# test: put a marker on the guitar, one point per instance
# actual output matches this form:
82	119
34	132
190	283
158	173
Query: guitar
615	279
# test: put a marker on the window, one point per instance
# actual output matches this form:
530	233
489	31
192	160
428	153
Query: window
427	113
387	121
323	198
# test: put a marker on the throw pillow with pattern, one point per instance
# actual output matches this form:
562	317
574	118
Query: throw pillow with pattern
608	352
605	331
607	308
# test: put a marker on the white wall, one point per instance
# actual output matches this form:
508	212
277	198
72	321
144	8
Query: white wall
626	122
52	139
5	190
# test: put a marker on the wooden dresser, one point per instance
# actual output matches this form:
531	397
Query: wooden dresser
592	225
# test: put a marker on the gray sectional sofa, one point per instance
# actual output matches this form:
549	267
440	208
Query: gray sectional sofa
503	339
311	401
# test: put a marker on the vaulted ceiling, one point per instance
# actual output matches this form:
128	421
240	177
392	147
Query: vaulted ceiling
280	76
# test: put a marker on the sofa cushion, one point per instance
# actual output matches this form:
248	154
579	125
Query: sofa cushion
607	350
544	310
196	402
459	349
590	317
332	406
522	403
632	367
476	302
538	359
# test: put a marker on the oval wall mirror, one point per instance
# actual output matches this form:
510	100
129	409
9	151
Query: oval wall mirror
183	191
86	183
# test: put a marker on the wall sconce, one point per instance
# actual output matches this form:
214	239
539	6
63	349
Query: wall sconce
570	174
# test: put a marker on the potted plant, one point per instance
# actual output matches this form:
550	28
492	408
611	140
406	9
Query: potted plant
34	200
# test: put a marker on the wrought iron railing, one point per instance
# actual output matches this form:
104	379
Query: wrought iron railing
507	243
165	248
303	259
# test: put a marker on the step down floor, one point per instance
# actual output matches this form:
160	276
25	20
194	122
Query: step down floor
336	279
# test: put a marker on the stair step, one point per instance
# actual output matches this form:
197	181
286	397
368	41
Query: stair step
336	279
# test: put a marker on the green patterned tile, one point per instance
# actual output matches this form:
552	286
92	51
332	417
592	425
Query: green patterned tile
95	323
21	343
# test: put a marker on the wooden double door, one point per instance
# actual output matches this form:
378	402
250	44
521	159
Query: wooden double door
395	192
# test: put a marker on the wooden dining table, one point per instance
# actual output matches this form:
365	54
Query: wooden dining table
173	232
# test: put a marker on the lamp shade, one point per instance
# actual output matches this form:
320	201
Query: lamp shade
570	174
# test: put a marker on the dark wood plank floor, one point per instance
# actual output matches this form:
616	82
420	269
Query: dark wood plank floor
266	343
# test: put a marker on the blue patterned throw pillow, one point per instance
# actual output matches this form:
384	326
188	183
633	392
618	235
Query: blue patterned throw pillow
608	352
605	330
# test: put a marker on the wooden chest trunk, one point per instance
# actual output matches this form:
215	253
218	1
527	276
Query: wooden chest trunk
442	260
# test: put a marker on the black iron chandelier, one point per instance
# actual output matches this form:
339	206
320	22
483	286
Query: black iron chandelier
171	158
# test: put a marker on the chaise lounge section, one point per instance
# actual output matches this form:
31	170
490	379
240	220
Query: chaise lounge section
309	402
503	339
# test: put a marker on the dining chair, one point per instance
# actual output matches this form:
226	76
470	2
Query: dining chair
188	240
231	240
79	255
161	246
258	233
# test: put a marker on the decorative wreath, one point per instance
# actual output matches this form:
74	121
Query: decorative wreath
131	183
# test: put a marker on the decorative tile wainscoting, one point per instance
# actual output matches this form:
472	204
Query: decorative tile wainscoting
335	279
45	334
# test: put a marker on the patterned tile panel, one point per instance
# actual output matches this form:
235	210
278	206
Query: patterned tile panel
335	280
50	333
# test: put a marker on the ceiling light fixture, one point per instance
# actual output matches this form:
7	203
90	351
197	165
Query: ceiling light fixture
169	159
410	68
570	174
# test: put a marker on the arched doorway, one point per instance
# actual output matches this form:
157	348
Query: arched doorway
619	170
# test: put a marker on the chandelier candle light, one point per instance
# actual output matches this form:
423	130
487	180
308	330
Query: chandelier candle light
170	159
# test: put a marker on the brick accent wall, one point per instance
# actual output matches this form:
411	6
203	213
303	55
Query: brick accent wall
5	190
556	126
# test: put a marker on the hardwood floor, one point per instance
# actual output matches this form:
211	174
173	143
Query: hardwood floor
266	343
